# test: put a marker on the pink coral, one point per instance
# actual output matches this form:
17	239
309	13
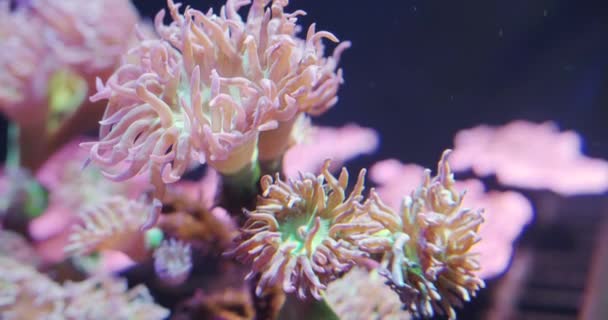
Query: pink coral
24	65
505	215
320	143
395	179
91	42
531	155
73	188
207	87
42	38
17	247
113	224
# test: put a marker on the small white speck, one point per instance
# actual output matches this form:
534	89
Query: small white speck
500	33
545	12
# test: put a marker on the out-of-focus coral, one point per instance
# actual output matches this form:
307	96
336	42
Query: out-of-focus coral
300	235
41	38
24	64
31	295
395	180
530	155
76	185
35	296
204	191
338	144
427	245
190	215
103	297
505	213
101	263
173	261
89	36
21	191
228	304
73	189
114	224
51	51
363	295
207	87
16	247
200	196
5	187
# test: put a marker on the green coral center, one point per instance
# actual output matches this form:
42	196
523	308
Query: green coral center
66	92
298	227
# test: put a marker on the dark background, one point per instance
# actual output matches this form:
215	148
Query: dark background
420	70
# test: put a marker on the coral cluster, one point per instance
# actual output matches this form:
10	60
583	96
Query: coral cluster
27	294
271	226
305	233
299	236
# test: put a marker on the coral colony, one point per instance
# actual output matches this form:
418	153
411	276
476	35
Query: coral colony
274	225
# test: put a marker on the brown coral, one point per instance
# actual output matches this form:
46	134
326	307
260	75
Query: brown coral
228	303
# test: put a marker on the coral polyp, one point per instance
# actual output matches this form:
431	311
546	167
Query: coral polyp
206	88
114	224
427	245
300	235
173	261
